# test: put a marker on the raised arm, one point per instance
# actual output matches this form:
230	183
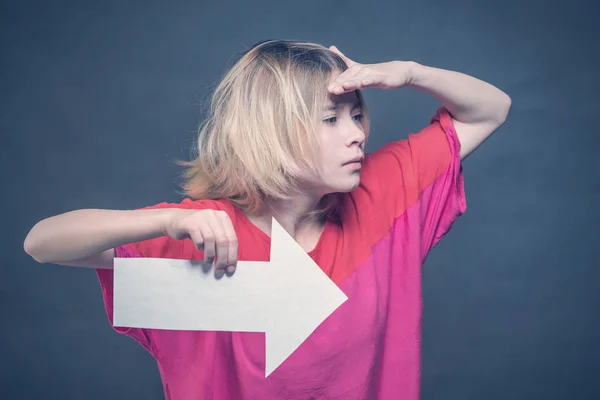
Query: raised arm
477	108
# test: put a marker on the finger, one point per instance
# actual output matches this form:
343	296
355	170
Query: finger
221	244
361	83
352	73
337	51
208	234
196	236
373	81
362	80
232	249
346	76
342	88
348	87
230	270
350	82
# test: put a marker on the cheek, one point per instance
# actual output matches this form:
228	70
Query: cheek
328	158
329	152
324	151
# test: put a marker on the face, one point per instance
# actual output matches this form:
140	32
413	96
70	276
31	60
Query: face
342	144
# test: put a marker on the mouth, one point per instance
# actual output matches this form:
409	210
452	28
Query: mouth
355	161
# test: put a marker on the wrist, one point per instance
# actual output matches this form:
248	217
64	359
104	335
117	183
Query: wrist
417	73
164	218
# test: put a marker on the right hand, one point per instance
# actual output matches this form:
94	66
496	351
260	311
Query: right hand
211	231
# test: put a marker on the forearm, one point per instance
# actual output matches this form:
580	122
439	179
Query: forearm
83	233
468	99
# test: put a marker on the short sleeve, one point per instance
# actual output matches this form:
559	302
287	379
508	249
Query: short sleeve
422	176
160	247
105	277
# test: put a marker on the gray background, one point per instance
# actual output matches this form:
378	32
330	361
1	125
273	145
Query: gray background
98	98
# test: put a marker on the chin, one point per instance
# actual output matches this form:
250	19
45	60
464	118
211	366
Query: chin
348	186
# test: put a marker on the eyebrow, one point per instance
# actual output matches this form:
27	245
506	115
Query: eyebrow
335	106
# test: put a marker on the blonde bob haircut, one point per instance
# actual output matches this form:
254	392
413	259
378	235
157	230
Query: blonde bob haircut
261	132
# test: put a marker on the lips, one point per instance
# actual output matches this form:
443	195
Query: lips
354	160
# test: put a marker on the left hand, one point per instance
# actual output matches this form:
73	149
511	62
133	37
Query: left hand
387	75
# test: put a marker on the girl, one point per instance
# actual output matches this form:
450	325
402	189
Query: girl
285	138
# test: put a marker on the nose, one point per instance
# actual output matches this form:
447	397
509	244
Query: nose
355	134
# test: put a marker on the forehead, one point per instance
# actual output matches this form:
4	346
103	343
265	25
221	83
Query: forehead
350	99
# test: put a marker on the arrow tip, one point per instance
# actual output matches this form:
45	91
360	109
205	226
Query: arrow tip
308	297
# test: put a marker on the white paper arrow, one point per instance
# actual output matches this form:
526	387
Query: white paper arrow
287	298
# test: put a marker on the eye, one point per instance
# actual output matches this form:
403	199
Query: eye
330	120
359	117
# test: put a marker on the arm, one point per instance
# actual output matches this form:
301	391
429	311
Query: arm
88	237
477	108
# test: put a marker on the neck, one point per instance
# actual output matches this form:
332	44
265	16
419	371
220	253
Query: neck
294	215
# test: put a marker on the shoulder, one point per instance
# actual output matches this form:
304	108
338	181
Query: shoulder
395	176
425	154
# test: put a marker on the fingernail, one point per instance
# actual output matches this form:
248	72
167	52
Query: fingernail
219	273
230	270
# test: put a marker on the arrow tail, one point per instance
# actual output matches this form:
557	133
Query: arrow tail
181	295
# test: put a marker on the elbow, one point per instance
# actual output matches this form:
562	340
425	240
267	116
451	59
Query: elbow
31	248
504	106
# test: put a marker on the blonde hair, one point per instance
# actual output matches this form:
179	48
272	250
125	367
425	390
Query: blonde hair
261	130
